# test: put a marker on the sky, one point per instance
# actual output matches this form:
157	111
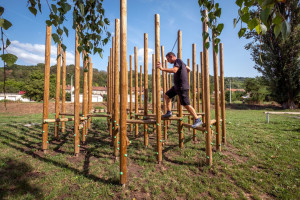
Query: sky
28	33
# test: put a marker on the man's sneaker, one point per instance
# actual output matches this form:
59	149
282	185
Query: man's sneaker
197	123
168	114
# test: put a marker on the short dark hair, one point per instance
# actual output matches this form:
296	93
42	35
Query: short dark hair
170	54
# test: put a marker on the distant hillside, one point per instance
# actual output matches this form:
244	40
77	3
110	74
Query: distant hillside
16	75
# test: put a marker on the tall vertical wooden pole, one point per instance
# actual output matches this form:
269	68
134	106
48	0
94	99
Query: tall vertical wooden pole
130	91
76	98
110	92
124	92
113	81
63	103
207	96
146	87
194	84
116	89
189	77
217	98
153	84
90	97
57	94
158	90
222	94
164	91
170	79
198	89
136	91
108	85
141	86
85	95
202	85
46	88
179	107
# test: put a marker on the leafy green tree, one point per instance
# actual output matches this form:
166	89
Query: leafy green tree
257	89
34	86
269	16
12	86
277	58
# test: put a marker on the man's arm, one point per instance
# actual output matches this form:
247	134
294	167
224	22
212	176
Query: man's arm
188	68
168	70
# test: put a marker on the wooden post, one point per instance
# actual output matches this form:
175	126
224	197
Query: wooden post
170	79
164	91
63	103
130	91
116	89
108	85
90	91
167	88
76	98
141	86
217	101
198	89
179	107
146	87
202	85
222	94
194	84
207	96
189	77
136	91
124	93
46	88
110	124
57	94
153	84
158	90
85	95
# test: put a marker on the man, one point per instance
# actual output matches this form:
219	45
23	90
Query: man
181	87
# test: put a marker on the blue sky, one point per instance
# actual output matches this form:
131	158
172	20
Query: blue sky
28	32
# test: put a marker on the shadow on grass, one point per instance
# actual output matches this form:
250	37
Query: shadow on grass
30	148
14	180
237	106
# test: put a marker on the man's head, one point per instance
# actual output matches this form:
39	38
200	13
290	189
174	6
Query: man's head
171	57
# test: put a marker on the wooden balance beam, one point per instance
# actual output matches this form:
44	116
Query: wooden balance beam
62	120
280	113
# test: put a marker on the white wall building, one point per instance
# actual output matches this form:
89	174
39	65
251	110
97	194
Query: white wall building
13	97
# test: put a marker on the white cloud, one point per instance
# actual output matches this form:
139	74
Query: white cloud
35	53
140	54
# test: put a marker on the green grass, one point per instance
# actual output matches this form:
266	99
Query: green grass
261	161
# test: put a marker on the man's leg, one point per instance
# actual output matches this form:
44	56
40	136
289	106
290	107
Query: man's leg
168	98
169	102
192	111
184	100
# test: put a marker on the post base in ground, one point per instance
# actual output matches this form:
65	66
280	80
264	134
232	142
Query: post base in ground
45	151
76	154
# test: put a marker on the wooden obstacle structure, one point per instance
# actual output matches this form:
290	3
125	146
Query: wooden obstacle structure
122	116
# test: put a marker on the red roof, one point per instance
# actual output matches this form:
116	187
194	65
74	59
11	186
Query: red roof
22	92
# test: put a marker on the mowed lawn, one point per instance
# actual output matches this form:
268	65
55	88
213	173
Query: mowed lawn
260	161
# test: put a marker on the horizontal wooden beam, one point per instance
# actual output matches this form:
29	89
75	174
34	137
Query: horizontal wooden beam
190	126
148	121
62	120
283	113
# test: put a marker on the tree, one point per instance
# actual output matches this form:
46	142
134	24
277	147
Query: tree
277	58
270	9
257	89
34	86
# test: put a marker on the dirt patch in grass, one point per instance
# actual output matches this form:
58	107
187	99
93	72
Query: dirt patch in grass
229	152
14	108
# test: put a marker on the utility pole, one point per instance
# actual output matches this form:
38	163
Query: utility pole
230	91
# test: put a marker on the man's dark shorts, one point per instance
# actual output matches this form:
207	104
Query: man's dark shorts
183	95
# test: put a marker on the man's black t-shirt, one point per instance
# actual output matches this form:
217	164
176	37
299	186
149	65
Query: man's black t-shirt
181	81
